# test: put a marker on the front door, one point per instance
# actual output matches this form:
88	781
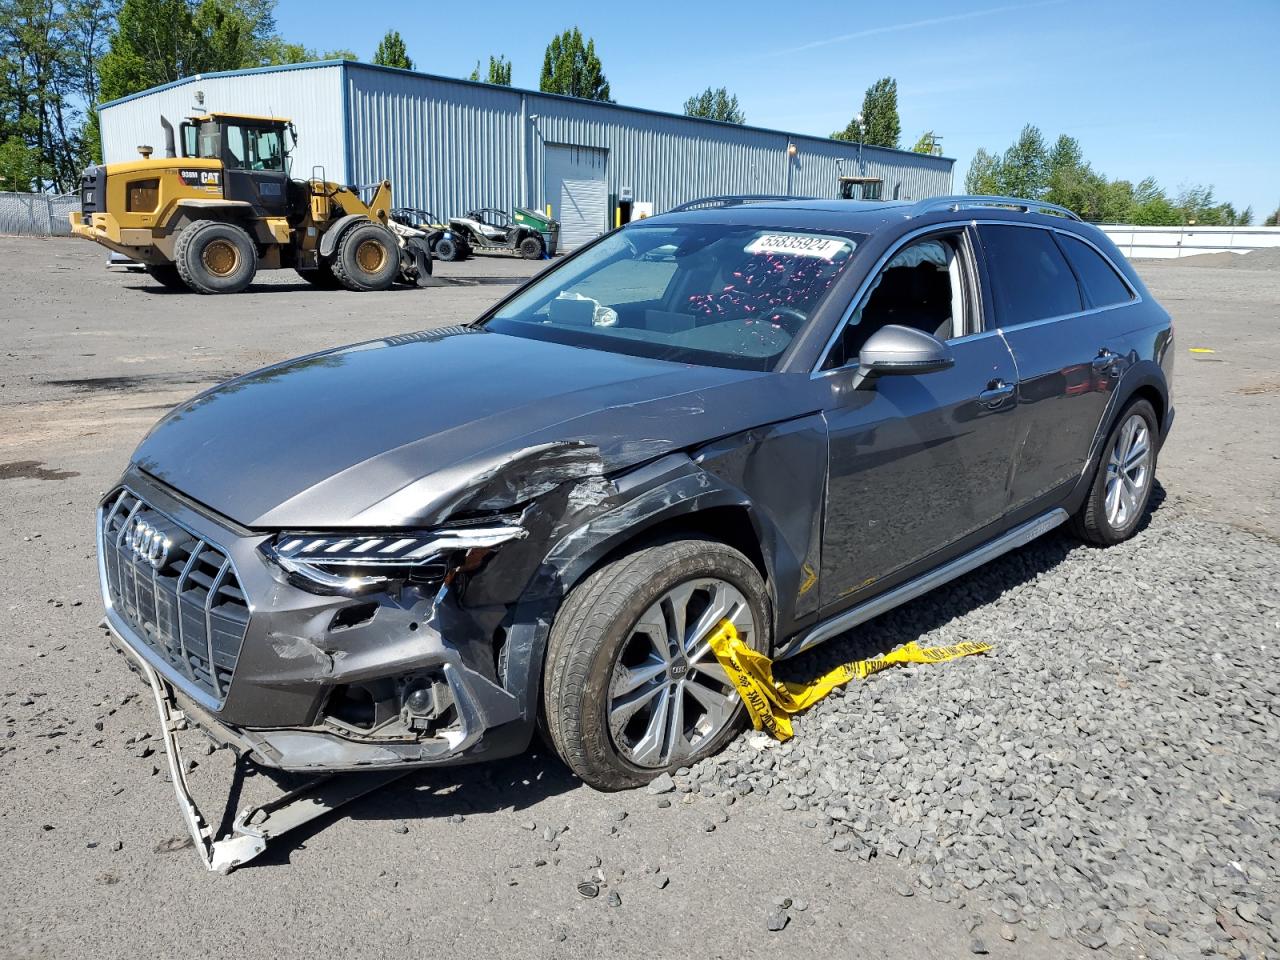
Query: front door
919	462
256	168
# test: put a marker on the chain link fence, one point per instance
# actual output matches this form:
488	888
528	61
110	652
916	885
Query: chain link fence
36	214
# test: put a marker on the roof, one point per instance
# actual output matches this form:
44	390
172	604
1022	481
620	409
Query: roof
357	65
865	216
213	114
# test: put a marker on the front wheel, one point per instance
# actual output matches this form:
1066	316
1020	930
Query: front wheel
1122	485
367	258
631	687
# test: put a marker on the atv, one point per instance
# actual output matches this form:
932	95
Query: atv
529	234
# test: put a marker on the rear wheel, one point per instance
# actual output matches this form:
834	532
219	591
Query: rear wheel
215	257
166	274
1122	485
367	258
631	686
531	248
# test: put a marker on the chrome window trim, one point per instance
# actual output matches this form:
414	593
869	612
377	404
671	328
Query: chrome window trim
1028	324
903	241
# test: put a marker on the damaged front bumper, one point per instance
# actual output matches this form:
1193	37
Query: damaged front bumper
295	680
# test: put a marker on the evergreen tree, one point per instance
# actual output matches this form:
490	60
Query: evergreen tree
572	68
880	126
499	72
715	105
391	52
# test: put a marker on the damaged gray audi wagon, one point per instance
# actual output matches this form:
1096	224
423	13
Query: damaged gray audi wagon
789	414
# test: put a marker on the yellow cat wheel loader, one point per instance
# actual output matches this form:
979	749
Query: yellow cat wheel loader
209	219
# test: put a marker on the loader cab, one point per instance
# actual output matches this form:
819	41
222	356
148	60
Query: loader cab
255	157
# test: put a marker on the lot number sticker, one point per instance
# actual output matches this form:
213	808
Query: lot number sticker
798	244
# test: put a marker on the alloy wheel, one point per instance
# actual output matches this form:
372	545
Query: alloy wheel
668	695
1128	472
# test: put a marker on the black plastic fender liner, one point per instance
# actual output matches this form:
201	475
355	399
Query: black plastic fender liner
329	242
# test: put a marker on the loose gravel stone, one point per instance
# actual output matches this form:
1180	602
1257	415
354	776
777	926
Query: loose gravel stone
1112	759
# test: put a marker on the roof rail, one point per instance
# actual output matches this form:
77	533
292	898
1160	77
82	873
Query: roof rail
732	200
1014	203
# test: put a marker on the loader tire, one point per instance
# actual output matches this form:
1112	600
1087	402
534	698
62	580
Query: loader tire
215	257
367	258
166	274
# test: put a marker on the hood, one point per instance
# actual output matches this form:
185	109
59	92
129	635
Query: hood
388	433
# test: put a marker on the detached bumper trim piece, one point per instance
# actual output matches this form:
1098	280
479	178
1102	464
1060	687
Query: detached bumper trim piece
254	826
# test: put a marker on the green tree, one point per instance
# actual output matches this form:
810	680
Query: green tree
1024	168
1273	218
159	41
717	104
391	52
880	125
928	143
984	177
572	68
499	72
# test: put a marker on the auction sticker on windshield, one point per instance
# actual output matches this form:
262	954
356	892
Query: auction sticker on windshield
799	244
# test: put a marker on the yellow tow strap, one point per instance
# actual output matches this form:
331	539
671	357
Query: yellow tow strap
770	702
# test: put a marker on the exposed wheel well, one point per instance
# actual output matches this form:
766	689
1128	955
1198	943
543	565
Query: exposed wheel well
729	525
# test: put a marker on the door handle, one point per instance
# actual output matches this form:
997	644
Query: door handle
996	393
1105	361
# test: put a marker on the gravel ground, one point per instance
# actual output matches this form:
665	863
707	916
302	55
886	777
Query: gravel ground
1109	773
1105	782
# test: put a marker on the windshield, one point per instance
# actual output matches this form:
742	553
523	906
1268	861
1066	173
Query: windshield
716	294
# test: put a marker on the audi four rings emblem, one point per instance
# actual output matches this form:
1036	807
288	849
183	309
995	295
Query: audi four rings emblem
149	544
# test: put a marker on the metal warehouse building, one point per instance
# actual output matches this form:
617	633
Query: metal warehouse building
450	146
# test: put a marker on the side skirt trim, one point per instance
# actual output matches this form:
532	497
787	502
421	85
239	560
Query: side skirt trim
1019	536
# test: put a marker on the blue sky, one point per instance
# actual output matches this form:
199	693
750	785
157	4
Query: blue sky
1187	92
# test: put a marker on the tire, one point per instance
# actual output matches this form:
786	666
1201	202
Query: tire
167	275
597	642
531	248
1118	496
450	250
215	257
367	257
321	278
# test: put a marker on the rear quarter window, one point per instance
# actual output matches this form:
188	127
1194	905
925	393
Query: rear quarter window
1030	278
1103	287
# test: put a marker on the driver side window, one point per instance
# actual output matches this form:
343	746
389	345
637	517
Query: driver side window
922	287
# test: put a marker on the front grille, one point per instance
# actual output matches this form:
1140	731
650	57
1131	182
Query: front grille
188	608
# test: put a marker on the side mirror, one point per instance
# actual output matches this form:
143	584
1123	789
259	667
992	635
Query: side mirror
895	350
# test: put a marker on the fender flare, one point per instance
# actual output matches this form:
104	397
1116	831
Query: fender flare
1144	373
329	242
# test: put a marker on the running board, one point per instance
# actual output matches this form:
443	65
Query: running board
1019	536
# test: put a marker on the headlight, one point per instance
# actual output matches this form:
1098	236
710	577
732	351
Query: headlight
356	562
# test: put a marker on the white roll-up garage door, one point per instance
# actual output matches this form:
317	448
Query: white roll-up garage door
578	191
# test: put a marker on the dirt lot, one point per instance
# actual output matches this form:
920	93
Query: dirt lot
484	861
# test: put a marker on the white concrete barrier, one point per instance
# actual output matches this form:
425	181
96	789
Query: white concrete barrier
1168	242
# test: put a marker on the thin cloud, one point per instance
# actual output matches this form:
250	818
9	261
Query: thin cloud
917	24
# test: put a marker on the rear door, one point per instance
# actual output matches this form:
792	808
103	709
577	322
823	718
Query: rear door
1067	353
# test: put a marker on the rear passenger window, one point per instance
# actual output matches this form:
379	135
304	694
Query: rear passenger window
1102	285
1029	276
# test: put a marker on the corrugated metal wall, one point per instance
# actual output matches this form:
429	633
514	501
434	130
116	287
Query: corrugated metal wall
311	96
450	146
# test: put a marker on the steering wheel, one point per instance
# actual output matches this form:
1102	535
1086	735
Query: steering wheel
788	318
